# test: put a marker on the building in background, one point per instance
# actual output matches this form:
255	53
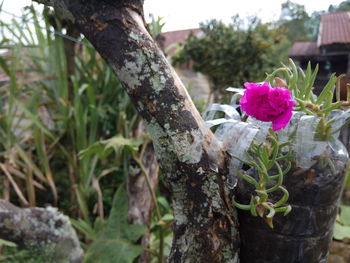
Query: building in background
331	50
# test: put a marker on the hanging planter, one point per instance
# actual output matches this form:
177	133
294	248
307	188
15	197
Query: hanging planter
288	179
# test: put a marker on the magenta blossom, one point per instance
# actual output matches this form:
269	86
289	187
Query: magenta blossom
268	104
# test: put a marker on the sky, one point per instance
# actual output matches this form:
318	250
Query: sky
184	14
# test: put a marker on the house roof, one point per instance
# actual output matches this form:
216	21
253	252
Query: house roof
304	48
170	39
334	29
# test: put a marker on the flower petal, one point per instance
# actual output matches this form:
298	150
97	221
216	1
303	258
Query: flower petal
281	121
267	104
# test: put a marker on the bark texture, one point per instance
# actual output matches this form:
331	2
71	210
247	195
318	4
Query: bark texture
39	230
193	162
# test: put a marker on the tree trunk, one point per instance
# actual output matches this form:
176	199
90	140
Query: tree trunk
193	162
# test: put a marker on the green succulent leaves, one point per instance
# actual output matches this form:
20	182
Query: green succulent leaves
266	158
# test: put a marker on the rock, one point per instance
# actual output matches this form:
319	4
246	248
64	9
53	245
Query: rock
41	230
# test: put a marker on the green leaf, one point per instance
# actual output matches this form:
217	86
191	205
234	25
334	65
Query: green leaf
308	91
163	202
83	227
116	240
294	80
105	147
332	106
328	90
345	215
284	198
307	78
248	178
253	207
4	66
7	243
168	218
240	206
271	210
341	232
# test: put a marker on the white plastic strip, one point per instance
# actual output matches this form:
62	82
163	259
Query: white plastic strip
305	146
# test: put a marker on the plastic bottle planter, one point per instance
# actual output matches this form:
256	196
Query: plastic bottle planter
315	184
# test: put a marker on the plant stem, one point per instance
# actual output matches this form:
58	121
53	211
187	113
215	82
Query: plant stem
151	251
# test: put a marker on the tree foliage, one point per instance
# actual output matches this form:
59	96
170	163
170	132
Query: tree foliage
302	26
232	54
343	6
294	17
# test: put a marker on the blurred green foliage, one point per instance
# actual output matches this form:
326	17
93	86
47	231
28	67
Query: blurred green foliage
343	6
294	18
342	224
232	54
114	241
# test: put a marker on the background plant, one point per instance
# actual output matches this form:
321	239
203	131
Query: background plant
231	54
54	116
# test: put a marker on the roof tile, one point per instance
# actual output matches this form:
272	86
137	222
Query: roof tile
304	48
175	37
334	28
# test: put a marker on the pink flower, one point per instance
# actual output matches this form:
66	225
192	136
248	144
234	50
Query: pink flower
268	104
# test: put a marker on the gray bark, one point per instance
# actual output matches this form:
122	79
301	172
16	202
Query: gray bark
40	230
